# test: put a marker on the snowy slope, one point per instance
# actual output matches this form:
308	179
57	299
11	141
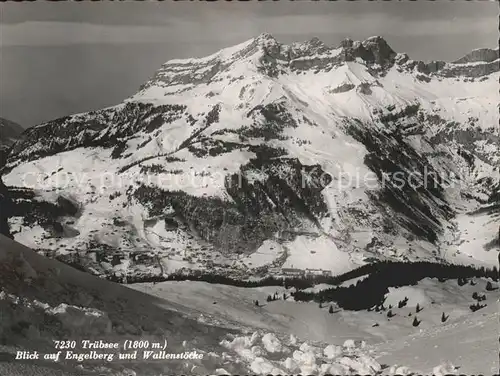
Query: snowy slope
42	300
266	155
470	344
468	340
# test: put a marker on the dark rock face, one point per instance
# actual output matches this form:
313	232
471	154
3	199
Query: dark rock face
287	196
411	186
432	67
483	54
376	50
4	152
495	196
364	88
467	139
10	132
440	68
103	128
274	58
342	88
6	208
477	70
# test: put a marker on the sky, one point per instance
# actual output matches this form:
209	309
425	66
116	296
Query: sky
60	58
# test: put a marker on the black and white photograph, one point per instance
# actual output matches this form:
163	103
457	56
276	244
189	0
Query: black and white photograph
249	188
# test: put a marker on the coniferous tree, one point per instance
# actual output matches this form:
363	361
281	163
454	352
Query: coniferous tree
269	298
444	317
476	307
257	303
330	310
418	308
416	322
489	287
390	314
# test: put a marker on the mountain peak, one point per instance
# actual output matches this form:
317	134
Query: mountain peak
372	50
376	39
265	37
268	44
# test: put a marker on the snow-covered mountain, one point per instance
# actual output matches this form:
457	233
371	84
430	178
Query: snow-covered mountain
266	155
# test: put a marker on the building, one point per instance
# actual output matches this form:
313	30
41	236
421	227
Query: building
318	272
292	272
274	271
312	272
